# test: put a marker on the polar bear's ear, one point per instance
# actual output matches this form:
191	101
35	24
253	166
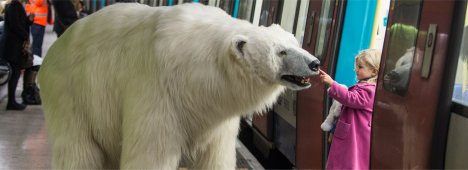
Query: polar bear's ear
238	45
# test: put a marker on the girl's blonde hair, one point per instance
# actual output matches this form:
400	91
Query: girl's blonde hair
371	58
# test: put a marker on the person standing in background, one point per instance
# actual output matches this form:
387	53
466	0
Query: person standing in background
16	38
65	15
40	10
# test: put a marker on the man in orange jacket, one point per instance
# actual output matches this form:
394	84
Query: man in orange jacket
40	10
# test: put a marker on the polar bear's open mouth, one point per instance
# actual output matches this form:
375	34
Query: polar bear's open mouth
298	80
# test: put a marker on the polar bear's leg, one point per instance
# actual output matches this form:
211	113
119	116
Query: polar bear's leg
220	153
150	141
76	152
73	147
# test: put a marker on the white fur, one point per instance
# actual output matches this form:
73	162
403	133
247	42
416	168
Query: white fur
333	114
133	86
397	79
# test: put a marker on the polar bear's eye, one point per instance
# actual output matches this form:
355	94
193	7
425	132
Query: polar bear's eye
283	53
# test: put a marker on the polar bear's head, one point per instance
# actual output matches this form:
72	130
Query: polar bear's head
397	79
275	56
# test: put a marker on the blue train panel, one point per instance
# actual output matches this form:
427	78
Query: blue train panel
356	36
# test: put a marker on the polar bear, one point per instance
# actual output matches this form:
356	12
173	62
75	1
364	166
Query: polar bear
397	79
133	86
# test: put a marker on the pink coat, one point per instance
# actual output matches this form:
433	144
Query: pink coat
350	147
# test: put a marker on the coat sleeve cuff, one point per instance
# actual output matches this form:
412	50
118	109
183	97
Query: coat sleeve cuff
336	89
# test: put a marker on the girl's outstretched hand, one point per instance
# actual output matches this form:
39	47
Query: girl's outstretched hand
325	78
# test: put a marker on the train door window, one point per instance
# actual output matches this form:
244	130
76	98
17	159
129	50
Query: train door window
325	22
246	10
403	34
271	10
460	90
265	13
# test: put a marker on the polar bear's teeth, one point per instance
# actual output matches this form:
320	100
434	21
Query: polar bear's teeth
298	80
304	80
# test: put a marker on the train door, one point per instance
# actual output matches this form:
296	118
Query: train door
413	97
323	24
269	14
457	138
170	2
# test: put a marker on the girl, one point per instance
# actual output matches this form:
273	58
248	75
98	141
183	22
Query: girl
350	148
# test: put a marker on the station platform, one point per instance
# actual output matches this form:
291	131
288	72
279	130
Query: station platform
23	136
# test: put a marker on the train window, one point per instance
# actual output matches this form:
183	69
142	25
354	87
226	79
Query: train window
460	91
403	34
227	5
288	15
296	16
325	22
154	3
246	10
301	20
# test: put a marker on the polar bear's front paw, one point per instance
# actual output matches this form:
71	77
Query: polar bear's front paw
326	126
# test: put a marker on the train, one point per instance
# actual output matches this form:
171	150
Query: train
420	114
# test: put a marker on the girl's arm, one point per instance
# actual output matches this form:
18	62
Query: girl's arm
358	98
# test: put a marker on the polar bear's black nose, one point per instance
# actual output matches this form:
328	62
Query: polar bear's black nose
314	66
